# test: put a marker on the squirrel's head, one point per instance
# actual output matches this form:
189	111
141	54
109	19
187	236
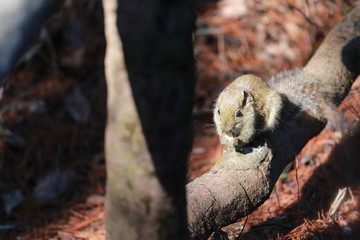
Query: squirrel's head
244	109
235	116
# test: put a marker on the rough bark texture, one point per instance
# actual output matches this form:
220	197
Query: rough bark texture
135	200
240	183
159	58
146	191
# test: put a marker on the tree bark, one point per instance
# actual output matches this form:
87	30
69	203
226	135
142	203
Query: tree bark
146	179
240	183
134	199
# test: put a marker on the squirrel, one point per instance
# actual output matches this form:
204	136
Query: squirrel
249	109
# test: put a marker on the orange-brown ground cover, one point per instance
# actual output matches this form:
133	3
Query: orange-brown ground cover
53	119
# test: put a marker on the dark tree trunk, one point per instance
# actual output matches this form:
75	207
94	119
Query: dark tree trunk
156	37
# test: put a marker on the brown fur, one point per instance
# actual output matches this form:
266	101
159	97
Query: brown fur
260	105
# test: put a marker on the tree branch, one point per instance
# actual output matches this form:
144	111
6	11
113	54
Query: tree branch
240	183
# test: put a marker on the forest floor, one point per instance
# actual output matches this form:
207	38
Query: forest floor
53	115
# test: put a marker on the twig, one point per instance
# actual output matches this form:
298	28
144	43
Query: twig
337	201
243	228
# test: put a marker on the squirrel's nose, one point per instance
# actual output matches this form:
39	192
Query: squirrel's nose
235	132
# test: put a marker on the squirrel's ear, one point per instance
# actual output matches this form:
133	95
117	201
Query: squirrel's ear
247	97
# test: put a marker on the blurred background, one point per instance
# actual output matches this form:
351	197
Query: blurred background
53	115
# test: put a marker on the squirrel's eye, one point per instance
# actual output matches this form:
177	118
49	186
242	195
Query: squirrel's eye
239	113
219	111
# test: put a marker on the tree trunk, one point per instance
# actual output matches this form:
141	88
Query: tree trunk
146	189
240	183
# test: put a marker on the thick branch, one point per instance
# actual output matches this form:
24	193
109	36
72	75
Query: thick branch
241	182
